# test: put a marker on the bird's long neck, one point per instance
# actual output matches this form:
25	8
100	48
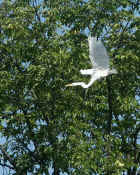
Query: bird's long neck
79	84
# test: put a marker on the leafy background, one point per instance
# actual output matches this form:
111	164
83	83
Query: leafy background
43	45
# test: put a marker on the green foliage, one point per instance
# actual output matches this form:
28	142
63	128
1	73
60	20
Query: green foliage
43	45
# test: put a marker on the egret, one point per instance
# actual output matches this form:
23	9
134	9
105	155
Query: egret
100	63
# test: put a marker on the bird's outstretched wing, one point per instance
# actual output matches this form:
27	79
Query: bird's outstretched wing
97	53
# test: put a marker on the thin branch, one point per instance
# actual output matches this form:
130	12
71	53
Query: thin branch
56	169
110	106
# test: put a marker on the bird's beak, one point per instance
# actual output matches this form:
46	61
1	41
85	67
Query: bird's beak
67	85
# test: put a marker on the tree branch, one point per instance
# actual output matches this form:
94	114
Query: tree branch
110	115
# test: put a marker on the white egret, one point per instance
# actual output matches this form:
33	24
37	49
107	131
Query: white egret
100	63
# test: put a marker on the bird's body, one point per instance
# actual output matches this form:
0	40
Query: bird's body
100	63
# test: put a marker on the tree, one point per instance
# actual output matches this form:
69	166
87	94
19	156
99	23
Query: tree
43	45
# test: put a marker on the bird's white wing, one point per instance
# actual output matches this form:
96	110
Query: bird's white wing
97	53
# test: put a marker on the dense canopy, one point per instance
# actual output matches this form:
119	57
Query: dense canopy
47	128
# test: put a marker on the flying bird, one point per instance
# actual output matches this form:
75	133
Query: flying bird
100	63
